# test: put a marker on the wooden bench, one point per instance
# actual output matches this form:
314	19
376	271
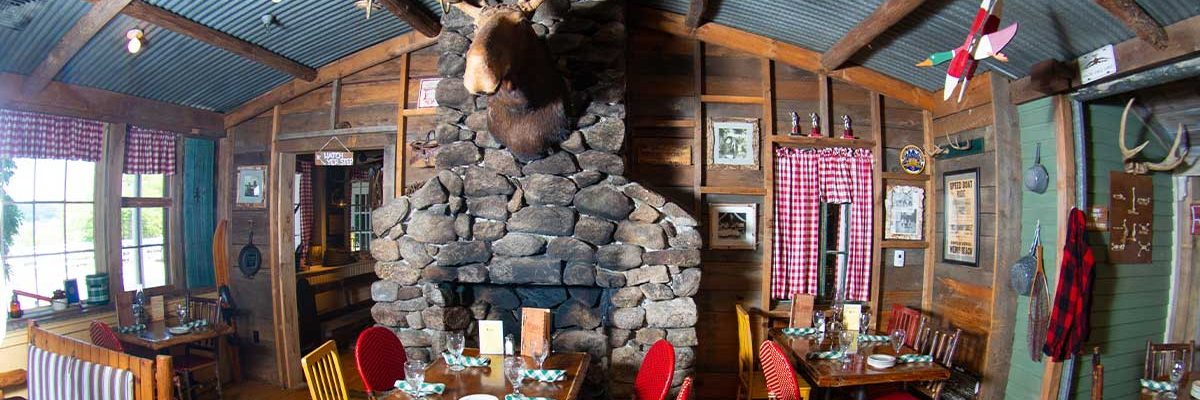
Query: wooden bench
152	378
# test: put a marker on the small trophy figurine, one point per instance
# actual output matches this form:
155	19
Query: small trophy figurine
847	132
795	124
816	125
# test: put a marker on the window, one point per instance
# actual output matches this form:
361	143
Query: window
297	215
144	218
834	255
54	239
360	215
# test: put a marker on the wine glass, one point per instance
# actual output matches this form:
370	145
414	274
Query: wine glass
181	311
541	352
819	322
514	371
897	337
1176	376
844	340
414	374
455	343
864	321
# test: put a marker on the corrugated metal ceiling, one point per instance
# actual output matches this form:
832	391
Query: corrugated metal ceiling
21	51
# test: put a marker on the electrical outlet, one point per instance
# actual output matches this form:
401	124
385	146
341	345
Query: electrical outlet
255	336
898	258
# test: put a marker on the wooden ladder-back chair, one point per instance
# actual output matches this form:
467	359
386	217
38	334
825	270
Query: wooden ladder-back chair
1161	357
801	315
941	345
323	372
906	319
189	363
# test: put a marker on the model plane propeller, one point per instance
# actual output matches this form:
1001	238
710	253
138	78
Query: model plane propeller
983	41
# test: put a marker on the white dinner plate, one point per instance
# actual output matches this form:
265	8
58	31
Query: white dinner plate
178	330
478	397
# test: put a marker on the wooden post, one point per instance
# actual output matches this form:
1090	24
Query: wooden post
1064	147
825	97
1008	247
401	127
931	204
877	263
698	132
107	208
767	158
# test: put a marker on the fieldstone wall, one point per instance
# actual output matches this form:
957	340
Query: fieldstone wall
616	262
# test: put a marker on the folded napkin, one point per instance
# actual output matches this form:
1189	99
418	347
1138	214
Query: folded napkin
131	328
874	338
545	375
466	361
199	323
514	396
826	355
914	358
426	388
1158	386
799	331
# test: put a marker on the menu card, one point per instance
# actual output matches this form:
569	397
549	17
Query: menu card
491	337
802	311
850	316
158	309
535	329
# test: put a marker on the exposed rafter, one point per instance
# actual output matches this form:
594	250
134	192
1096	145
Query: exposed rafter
415	15
83	31
884	17
1137	20
695	14
174	22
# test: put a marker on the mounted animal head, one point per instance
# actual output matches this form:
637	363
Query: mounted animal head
510	64
1173	159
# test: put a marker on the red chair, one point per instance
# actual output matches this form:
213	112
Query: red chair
685	390
907	319
781	377
380	358
657	371
103	336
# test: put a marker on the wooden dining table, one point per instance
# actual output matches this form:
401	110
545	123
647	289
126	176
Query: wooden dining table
156	337
855	374
1185	388
490	379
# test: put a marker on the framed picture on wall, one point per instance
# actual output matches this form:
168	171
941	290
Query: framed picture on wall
905	213
961	242
733	226
732	143
252	186
427	97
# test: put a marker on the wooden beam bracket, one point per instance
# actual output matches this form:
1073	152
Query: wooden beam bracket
415	15
884	17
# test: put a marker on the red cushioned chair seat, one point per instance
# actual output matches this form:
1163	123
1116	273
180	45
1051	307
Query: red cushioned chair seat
657	371
897	395
380	357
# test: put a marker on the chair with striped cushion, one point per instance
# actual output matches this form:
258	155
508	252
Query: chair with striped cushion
380	357
685	390
656	373
323	372
777	368
103	336
908	320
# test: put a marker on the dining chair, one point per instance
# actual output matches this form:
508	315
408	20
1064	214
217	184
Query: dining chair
656	373
103	336
323	373
751	384
190	362
801	315
777	368
380	358
1160	358
907	319
685	389
942	346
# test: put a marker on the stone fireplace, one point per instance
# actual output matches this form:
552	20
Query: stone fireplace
616	263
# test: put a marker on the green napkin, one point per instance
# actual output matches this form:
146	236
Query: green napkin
514	396
826	355
799	331
426	388
466	361
131	328
545	375
914	358
1158	386
874	338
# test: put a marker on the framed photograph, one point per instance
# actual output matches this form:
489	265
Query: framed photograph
428	95
733	226
961	243
732	143
905	213
252	186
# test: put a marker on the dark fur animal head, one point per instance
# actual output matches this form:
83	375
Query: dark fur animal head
527	94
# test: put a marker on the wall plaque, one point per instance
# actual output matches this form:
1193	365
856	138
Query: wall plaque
1130	219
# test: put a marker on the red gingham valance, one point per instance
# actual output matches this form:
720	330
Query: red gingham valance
149	151
36	135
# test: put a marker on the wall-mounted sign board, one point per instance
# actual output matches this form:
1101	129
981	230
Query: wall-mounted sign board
334	158
1097	64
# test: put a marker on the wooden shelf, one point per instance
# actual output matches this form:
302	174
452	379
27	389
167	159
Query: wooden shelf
413	112
742	190
903	244
805	141
662	123
712	98
904	176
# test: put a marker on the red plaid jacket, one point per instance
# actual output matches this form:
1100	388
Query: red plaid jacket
1073	299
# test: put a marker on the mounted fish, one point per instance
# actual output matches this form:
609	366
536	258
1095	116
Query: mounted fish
513	67
1036	178
983	41
250	259
1173	159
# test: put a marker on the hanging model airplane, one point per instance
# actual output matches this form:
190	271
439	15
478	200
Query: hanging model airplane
983	41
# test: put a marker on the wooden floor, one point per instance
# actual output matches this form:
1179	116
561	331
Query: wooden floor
254	390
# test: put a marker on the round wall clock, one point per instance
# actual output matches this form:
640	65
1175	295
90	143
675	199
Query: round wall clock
912	159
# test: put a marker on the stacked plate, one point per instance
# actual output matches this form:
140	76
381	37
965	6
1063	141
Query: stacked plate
881	361
1196	390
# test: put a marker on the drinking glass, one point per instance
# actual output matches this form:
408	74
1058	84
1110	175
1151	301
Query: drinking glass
514	369
455	343
414	374
1176	376
864	321
819	322
897	337
844	340
181	311
541	352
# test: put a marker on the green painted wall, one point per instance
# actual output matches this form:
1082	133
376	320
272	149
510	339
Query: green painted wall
1129	304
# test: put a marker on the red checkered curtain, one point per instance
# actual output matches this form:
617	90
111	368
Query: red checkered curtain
149	151
306	208
36	135
862	213
796	237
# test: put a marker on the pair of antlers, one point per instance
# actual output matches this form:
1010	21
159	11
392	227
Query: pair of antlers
526	6
1173	159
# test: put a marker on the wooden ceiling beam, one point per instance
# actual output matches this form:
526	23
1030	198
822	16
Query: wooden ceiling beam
695	14
102	105
179	24
350	64
85	28
883	18
415	15
1137	20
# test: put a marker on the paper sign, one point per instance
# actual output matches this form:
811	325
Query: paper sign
1195	219
850	316
1098	64
535	329
158	308
428	95
491	337
334	158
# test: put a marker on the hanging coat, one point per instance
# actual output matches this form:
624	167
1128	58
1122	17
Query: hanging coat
1073	299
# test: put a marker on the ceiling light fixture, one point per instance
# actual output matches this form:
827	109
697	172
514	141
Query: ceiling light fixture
269	22
135	37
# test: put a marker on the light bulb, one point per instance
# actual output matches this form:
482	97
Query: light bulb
135	41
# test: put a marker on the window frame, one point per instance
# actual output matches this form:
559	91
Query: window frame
136	204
